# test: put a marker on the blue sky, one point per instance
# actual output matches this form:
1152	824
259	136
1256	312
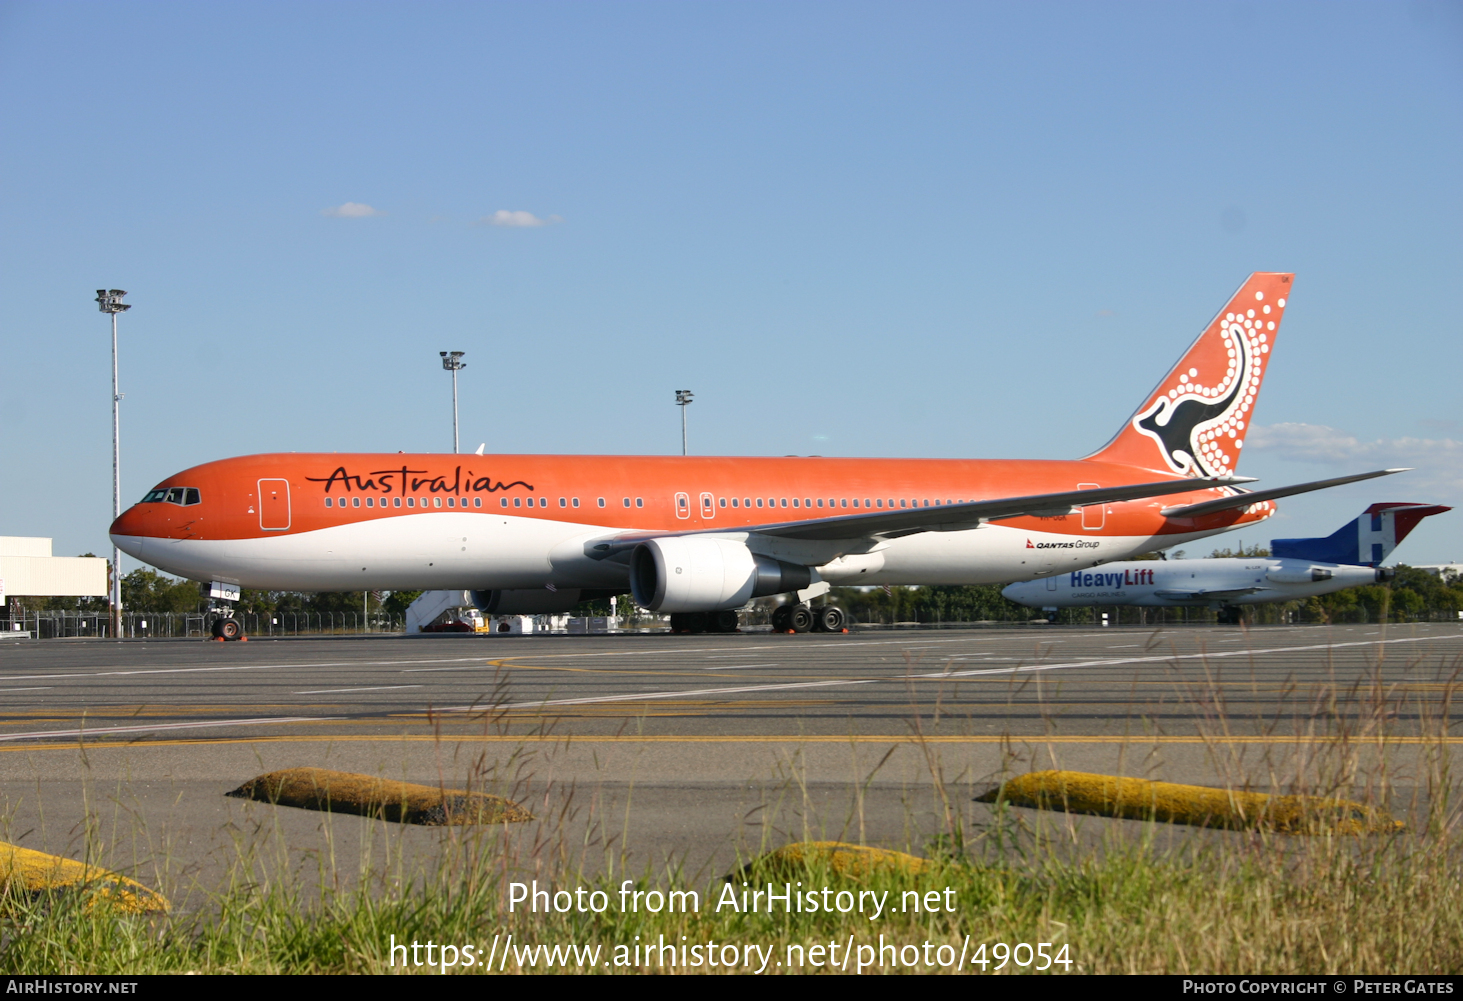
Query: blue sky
911	229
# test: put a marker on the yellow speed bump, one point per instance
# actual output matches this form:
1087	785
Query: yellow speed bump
33	871
840	858
1202	806
370	796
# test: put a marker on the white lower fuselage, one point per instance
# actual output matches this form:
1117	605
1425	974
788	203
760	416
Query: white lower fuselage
1191	583
440	550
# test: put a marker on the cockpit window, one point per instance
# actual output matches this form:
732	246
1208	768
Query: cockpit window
182	496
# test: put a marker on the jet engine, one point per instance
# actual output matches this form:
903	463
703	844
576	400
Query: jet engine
703	574
1301	575
534	601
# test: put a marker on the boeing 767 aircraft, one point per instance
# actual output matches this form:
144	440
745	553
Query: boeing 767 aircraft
698	537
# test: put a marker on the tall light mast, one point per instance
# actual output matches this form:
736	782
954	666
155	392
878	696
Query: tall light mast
452	362
683	400
110	301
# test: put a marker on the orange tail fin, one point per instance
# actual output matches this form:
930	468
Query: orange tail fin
1195	421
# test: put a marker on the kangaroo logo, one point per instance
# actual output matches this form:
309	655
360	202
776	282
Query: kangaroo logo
1199	428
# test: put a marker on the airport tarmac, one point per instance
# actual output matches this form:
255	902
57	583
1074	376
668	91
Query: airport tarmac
644	750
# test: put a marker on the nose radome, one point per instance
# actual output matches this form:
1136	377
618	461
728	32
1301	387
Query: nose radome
130	522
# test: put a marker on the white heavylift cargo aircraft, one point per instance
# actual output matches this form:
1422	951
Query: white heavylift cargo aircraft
1295	568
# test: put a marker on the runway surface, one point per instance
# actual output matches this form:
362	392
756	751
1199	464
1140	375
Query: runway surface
700	747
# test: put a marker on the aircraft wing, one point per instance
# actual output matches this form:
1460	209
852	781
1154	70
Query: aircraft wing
1195	594
959	517
1246	499
940	518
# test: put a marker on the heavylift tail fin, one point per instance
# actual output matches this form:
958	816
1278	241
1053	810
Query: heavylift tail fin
1363	541
1195	421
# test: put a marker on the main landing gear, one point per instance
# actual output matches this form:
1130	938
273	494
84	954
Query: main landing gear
1231	615
796	618
802	619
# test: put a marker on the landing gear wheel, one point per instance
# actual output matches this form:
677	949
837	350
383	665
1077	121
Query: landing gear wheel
779	618
829	619
227	629
800	618
721	622
1231	615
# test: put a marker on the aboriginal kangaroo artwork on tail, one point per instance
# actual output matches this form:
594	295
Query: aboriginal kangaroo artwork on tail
1195	421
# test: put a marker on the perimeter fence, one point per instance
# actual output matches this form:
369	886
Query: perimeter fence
57	624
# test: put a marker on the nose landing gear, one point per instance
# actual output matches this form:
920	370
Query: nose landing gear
221	598
228	629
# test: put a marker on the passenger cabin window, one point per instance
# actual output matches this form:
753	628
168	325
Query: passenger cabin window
601	502
639	502
576	501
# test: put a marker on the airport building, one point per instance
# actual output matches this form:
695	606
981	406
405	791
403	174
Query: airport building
27	569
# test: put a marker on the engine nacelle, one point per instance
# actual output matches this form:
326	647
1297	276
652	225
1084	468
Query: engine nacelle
1299	575
534	601
700	574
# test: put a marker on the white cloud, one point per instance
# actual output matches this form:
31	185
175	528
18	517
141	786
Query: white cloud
351	210
1438	461
504	217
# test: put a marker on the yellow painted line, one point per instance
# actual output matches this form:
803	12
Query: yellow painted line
37	872
979	739
1200	806
372	796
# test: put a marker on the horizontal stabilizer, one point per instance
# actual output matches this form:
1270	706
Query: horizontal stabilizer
1254	497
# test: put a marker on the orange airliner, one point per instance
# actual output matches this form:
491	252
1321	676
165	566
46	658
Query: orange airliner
699	537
